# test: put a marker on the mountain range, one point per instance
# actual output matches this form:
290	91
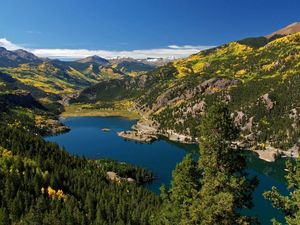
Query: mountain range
255	76
258	77
49	80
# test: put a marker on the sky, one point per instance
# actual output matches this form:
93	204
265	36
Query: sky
136	28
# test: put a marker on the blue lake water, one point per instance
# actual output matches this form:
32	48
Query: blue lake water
86	138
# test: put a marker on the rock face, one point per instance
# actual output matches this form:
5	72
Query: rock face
239	118
241	121
269	103
114	177
248	126
216	84
207	87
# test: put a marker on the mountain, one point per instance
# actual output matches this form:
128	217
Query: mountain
15	58
27	55
94	60
132	66
155	62
254	76
46	78
290	29
53	81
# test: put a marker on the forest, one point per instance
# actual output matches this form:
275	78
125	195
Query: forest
43	184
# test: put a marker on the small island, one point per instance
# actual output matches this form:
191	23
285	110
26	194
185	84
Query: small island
105	129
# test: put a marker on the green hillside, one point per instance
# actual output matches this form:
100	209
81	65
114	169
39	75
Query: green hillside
43	184
255	76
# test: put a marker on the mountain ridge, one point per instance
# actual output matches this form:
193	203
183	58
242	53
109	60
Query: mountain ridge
254	80
287	30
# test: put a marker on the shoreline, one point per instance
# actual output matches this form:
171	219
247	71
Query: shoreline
146	132
136	136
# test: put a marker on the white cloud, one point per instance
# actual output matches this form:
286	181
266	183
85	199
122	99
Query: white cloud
144	53
188	47
8	45
172	51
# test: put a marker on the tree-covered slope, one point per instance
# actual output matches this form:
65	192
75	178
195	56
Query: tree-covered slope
42	184
258	77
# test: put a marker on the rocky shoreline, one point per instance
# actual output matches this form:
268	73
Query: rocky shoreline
270	154
137	136
51	126
145	129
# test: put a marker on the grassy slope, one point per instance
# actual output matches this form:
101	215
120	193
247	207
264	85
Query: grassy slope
118	108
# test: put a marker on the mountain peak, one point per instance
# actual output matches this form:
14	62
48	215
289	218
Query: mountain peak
290	29
94	59
26	55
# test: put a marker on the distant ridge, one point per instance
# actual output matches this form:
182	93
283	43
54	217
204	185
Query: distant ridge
17	57
94	59
290	29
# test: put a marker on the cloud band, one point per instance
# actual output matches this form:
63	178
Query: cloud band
172	51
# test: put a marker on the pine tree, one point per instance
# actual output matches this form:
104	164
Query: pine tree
4	218
185	181
290	205
225	186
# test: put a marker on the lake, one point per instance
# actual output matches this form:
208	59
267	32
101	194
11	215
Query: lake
86	138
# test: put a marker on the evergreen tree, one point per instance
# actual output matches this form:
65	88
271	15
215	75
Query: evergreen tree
225	186
290	205
4	218
185	182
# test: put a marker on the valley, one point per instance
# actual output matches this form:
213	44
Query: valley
94	140
173	97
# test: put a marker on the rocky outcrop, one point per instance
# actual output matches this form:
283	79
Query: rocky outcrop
137	136
248	126
51	126
195	109
217	84
114	177
268	101
269	155
239	118
207	87
241	121
294	115
174	136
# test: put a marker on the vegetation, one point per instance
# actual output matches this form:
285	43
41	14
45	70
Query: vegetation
43	184
116	108
176	95
216	189
40	183
289	205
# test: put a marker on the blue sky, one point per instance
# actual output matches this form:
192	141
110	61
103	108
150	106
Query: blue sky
114	26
